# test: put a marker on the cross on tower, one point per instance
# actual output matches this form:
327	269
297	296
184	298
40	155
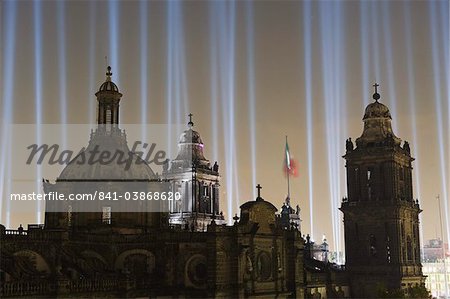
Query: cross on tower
259	189
376	95
190	123
376	87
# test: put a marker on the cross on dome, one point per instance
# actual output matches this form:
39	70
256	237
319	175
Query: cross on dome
259	190
190	123
376	95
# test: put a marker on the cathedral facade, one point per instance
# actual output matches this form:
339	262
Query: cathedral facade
190	251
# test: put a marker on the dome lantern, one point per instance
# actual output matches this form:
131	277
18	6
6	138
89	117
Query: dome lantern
108	97
190	149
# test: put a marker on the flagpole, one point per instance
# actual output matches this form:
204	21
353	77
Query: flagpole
289	191
288	173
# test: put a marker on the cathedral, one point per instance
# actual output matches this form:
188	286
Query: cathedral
189	251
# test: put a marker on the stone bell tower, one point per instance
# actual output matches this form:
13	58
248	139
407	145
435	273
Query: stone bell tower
381	217
192	175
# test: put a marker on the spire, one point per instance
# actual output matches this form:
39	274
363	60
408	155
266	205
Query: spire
376	96
108	73
190	123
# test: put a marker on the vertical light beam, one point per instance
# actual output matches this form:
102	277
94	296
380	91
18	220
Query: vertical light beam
436	57
113	9
9	16
143	31
389	64
229	97
92	116
445	24
214	70
307	59
375	53
61	33
169	69
177	86
412	101
364	35
224	13
251	89
37	19
181	63
333	71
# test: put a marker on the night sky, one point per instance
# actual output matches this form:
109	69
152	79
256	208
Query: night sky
251	73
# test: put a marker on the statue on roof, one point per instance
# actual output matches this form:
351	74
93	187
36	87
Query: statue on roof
349	145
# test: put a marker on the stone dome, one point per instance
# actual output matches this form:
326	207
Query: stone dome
377	110
259	211
190	149
377	126
109	86
258	202
190	136
87	167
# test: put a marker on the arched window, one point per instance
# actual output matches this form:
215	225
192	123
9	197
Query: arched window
370	183
409	253
108	116
264	266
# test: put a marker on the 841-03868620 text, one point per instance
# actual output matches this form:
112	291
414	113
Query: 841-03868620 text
98	195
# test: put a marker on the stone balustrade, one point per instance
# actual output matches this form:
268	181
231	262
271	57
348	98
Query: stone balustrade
25	288
30	288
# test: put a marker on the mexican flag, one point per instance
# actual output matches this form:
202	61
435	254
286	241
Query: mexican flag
290	165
